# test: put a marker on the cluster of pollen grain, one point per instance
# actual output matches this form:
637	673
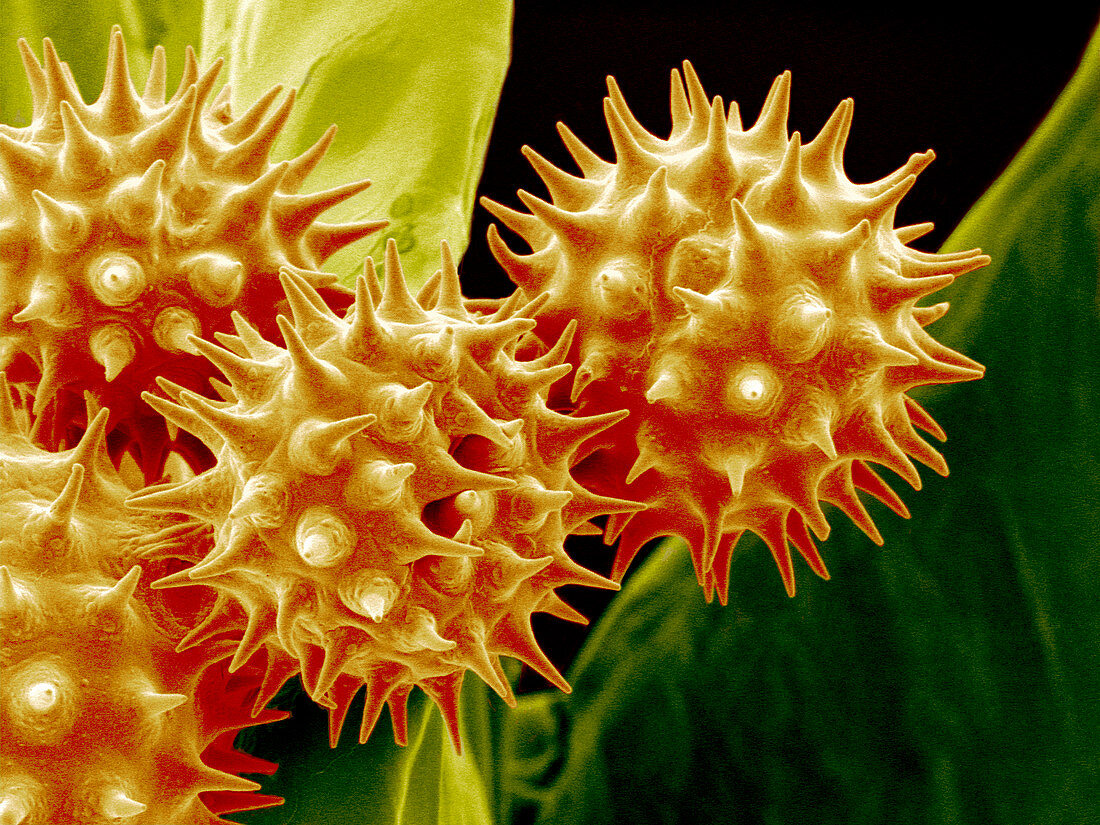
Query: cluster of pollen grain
752	308
391	493
131	223
103	721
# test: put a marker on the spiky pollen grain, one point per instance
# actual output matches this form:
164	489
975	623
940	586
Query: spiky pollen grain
103	720
753	309
128	224
391	494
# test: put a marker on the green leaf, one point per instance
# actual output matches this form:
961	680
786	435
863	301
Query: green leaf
413	89
952	677
424	783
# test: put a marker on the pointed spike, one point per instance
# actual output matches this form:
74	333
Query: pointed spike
136	204
444	691
303	164
637	131
919	416
83	155
718	156
866	341
775	536
314	372
573	227
248	122
866	479
397	303
879	446
59	83
235	429
699	103
428	295
884	203
245	208
64	227
528	227
323	240
736	468
590	164
788	176
566	434
90	451
22	159
156	704
249	156
220	108
818	431
449	301
917	447
954	264
119	102
215	622
182	417
900	290
645	461
678	105
772	122
749	235
908	234
520	268
666	386
379	687
256	345
280	669
47	387
365	333
233	556
294	214
63	507
115	804
112	348
190	74
796	531
116	599
825	153
566	191
397	702
916	164
630	156
306	306
204	84
45	303
36	78
559	352
155	84
169	136
552	604
837	488
513	637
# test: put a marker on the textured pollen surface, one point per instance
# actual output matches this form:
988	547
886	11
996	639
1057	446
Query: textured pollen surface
102	720
753	309
130	223
390	498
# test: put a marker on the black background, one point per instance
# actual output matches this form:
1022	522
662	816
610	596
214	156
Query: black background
969	84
